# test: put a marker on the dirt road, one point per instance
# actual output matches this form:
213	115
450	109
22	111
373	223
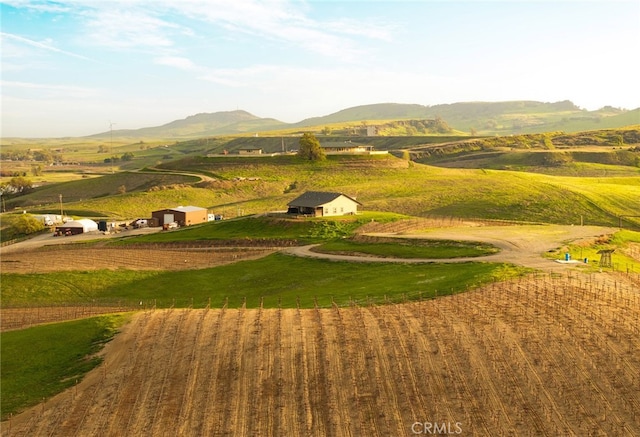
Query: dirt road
521	245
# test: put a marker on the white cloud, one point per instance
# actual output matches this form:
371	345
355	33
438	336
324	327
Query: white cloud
128	28
178	62
155	25
44	45
286	22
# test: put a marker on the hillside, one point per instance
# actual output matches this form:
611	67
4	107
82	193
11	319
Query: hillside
605	152
238	186
486	118
201	125
544	356
490	118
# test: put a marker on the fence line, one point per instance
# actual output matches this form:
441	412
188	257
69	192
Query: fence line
17	317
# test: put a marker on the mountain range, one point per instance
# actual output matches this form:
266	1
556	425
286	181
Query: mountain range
481	118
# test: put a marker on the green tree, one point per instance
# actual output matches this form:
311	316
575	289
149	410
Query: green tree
310	148
43	155
19	185
128	156
27	224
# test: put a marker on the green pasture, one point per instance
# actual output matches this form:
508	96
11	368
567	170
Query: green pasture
99	189
419	190
41	361
246	186
409	248
266	227
278	278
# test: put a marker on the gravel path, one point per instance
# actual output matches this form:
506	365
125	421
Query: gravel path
521	245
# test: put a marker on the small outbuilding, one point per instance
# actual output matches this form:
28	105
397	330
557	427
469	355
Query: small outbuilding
182	215
75	227
250	151
323	204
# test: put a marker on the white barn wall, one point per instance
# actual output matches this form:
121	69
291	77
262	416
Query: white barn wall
340	206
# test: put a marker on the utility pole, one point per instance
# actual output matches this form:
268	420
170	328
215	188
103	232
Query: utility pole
111	134
61	213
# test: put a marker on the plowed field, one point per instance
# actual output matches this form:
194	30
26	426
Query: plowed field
535	357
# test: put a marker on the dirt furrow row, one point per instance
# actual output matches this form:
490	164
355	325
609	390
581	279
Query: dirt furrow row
536	356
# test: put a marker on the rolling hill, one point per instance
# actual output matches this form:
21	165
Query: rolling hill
486	118
201	125
246	185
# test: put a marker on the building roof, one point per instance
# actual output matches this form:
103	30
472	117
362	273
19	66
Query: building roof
187	208
86	224
311	199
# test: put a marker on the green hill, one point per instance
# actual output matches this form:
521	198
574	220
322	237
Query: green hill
485	118
201	125
104	187
252	185
490	118
607	152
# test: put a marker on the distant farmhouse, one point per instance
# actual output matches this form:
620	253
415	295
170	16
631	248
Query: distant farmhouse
349	148
323	204
250	151
182	215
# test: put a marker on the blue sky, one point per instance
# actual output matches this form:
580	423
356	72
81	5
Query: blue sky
70	67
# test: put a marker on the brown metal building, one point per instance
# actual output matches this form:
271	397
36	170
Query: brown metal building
182	215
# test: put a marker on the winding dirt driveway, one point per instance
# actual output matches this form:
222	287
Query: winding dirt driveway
521	245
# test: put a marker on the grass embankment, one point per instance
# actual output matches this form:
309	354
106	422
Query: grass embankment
279	278
408	248
41	361
305	230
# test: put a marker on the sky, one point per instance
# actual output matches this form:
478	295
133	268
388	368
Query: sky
80	67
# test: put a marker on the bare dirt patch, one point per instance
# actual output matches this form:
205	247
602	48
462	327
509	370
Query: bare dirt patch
538	356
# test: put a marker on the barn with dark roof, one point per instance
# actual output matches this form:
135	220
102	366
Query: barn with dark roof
323	204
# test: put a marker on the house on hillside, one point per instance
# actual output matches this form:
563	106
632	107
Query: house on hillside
182	215
346	148
323	204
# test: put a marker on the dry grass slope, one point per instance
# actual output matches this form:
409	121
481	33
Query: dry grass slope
543	356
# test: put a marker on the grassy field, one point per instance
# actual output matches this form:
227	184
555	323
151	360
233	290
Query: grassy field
41	361
105	189
280	279
264	227
255	185
408	248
